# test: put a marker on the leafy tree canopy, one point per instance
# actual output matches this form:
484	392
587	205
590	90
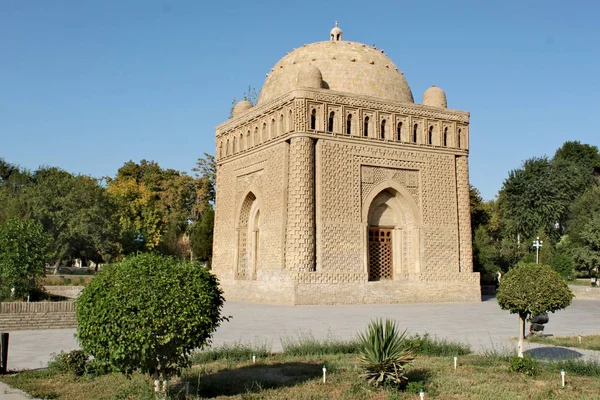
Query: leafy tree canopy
24	249
587	257
537	196
530	289
582	211
148	313
585	156
75	211
201	236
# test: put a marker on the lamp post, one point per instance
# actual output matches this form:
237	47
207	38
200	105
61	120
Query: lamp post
537	243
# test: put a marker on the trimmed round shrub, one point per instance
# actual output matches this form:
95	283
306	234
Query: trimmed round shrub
147	313
530	289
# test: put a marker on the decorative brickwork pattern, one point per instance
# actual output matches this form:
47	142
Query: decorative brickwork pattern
263	170
298	192
464	214
300	239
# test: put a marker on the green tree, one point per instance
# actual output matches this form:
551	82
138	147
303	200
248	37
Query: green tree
12	182
587	257
156	206
484	255
480	215
536	196
147	313
583	210
206	174
201	237
76	211
23	252
530	289
584	156
562	262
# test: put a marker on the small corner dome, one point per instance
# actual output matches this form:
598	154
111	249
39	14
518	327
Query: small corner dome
241	107
309	76
435	97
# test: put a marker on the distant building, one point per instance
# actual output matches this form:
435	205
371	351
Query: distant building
337	188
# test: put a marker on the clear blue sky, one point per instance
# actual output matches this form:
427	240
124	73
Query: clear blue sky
89	85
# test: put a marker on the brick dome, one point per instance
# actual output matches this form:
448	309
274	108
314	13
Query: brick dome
241	107
349	67
435	97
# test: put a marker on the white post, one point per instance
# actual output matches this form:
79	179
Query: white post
253	358
324	373
562	377
537	244
422	394
455	359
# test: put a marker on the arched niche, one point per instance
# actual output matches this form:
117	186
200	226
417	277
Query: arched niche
248	226
392	233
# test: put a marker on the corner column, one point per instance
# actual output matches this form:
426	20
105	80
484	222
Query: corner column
300	232
464	215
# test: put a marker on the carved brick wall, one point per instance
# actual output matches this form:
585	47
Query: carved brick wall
300	239
350	171
464	214
312	187
264	172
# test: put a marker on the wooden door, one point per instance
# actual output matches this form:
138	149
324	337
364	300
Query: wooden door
380	254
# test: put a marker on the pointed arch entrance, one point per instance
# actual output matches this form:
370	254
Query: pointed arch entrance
248	234
393	234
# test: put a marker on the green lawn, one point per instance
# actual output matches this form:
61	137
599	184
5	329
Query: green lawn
281	376
589	342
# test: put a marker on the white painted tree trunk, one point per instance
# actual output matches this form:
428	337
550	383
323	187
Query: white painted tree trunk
521	335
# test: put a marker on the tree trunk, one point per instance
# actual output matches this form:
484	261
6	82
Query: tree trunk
521	335
157	385
57	265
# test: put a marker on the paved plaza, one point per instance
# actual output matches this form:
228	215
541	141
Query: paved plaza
482	325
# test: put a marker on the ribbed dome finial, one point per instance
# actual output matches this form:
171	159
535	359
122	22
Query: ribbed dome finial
336	33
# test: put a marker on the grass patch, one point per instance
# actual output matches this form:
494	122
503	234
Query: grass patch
46	384
589	342
576	367
66	280
433	346
282	376
580	282
304	344
236	351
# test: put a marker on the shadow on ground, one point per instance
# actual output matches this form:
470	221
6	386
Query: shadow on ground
419	375
252	378
554	353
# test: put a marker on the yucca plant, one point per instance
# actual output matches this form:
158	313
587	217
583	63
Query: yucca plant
384	353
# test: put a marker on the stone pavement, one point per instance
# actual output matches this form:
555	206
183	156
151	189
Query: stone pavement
8	393
482	325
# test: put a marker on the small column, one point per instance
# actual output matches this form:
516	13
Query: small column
300	232
252	250
236	254
397	254
464	215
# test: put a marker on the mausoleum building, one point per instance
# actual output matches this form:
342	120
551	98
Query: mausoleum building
337	188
